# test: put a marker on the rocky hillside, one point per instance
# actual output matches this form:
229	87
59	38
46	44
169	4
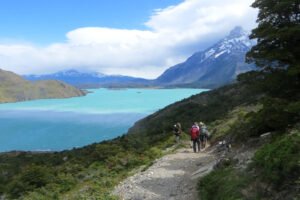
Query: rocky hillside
14	88
216	66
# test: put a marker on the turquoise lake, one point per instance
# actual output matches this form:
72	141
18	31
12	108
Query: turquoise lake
59	124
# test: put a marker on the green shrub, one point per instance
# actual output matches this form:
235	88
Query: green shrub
96	165
16	188
42	195
279	160
64	182
222	184
35	176
153	153
30	178
135	161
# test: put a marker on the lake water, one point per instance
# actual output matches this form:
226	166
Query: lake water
58	124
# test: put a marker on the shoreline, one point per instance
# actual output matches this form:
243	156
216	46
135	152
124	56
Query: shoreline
17	152
84	93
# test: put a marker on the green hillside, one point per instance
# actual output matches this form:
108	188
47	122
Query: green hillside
207	107
14	88
263	102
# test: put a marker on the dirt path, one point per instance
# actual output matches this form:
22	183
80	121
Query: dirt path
172	177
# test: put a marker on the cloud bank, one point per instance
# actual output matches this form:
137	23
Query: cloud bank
172	34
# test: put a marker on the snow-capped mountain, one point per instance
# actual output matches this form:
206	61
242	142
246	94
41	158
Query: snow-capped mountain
217	65
74	73
77	78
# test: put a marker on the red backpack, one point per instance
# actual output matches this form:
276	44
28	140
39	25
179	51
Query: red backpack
194	132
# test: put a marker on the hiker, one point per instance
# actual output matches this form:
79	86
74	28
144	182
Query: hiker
177	131
195	136
196	125
204	134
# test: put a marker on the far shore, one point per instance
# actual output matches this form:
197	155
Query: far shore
18	152
85	92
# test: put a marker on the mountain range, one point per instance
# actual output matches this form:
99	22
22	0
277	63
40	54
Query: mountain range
16	88
216	66
87	79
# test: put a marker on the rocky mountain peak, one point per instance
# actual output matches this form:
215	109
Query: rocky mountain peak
217	65
238	31
237	41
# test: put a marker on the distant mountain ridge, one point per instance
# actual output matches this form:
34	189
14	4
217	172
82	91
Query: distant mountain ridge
77	78
15	88
216	66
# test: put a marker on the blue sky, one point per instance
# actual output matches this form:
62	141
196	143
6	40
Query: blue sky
47	21
139	38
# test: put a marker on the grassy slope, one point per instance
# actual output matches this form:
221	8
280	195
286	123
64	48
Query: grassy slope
206	107
15	88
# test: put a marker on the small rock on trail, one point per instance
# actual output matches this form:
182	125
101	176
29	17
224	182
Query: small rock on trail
172	177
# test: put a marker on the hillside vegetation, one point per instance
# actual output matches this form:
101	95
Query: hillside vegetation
264	102
14	88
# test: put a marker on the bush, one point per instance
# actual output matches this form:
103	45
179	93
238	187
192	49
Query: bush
65	182
135	161
279	160
35	176
30	178
222	184
15	189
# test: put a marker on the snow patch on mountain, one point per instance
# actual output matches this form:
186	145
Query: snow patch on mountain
209	53
75	73
237	40
217	55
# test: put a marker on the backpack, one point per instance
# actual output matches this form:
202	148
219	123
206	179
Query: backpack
194	133
178	126
205	131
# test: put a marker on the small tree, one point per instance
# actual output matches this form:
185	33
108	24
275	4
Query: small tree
277	53
35	176
277	34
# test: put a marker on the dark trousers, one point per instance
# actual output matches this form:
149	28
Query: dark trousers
196	141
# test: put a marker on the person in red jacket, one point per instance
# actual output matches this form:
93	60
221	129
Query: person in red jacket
195	133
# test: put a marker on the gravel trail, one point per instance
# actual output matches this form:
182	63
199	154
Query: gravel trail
172	177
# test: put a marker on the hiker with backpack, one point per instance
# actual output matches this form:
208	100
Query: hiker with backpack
204	134
177	131
195	133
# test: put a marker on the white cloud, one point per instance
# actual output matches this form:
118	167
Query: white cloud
173	34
